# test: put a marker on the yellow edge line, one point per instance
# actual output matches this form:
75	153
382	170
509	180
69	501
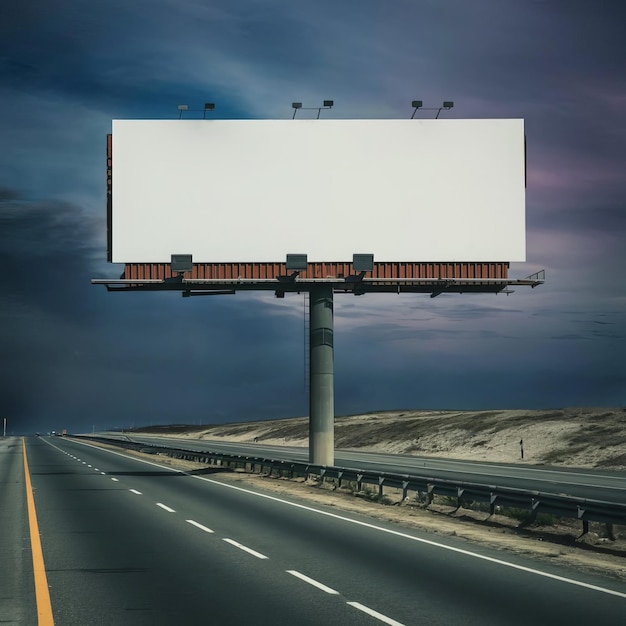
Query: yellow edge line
42	593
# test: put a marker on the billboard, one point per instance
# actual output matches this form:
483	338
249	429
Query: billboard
252	191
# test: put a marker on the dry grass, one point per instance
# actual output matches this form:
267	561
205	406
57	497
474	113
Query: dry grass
582	437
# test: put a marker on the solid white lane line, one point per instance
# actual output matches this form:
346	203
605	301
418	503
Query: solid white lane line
200	526
115	480
165	507
245	549
376	614
306	579
135	491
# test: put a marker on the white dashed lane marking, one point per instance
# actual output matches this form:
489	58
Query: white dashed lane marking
315	583
135	491
258	555
200	526
165	507
376	614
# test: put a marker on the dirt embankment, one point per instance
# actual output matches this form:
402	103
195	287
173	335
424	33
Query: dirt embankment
576	437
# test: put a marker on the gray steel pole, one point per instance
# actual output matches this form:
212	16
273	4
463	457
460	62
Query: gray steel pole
321	377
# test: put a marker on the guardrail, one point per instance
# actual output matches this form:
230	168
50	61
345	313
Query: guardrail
584	509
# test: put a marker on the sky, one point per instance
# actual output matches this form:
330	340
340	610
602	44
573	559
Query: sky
75	356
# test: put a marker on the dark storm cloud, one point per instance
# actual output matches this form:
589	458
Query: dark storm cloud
131	59
79	356
76	351
46	250
611	220
45	253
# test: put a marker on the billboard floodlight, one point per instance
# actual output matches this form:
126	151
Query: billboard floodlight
181	108
327	104
418	104
447	104
181	263
296	262
363	262
208	106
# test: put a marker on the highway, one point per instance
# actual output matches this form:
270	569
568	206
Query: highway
604	485
126	541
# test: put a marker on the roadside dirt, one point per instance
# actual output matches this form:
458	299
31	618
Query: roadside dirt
573	437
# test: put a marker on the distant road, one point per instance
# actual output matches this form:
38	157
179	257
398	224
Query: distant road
130	542
585	483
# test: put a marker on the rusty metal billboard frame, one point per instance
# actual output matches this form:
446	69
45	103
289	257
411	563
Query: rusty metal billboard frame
353	284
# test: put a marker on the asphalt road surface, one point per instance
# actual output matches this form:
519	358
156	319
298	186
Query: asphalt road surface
609	486
127	541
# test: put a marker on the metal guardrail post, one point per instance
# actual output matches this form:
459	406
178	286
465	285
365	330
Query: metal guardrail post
430	494
492	503
405	488
459	497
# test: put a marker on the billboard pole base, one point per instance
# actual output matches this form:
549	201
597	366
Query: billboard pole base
321	372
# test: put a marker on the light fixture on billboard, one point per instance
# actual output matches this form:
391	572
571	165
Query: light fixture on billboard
327	104
181	108
448	104
363	262
296	262
208	106
181	263
416	104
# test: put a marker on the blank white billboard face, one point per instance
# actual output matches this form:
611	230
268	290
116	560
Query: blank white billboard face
256	190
